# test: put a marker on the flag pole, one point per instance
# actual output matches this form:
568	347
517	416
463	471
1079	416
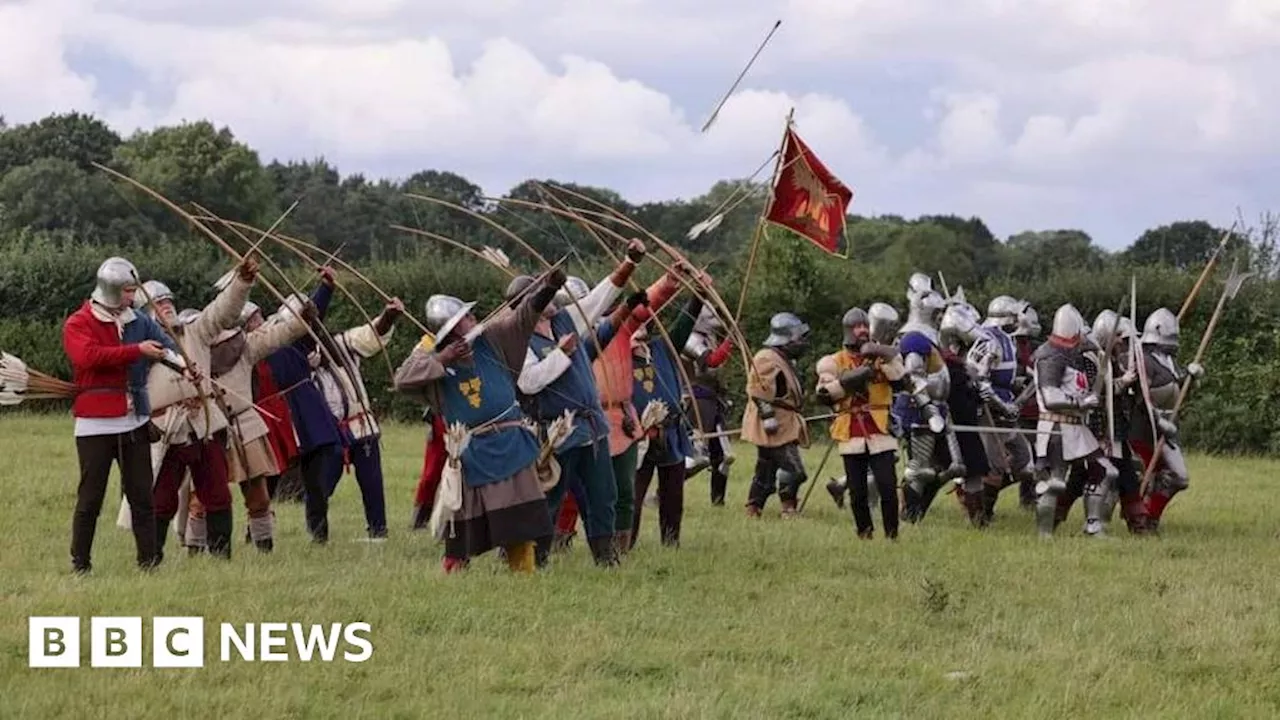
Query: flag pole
760	223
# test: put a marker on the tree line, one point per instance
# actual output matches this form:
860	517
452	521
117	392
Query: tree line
60	216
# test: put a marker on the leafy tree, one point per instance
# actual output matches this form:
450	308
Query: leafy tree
195	162
1182	245
74	137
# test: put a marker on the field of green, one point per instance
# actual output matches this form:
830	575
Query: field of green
748	619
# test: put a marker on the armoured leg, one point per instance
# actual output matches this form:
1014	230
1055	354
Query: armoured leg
920	459
1051	484
788	482
956	469
1095	497
1171	478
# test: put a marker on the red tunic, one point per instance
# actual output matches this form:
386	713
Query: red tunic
280	433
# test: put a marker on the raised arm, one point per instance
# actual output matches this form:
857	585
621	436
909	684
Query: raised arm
268	338
224	312
604	294
510	329
536	375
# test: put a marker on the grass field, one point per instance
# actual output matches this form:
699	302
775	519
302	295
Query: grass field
749	619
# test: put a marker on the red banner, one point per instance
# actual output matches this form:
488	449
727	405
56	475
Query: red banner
807	198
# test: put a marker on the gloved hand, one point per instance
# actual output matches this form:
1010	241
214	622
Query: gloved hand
1195	370
636	299
1089	402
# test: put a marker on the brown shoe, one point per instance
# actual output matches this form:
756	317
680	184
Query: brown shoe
753	511
789	509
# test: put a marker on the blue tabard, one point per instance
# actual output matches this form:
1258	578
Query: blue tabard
1006	366
904	410
476	394
575	389
659	380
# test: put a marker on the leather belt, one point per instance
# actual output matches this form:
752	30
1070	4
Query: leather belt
1060	418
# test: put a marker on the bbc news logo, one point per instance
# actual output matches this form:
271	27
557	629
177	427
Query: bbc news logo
178	642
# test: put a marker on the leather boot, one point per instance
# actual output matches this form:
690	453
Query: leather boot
990	493
622	542
788	508
973	509
602	551
219	523
162	530
542	552
1135	514
266	545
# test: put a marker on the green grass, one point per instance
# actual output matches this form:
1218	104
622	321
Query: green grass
749	619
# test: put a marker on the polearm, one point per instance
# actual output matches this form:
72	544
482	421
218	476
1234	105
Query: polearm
1204	274
1229	291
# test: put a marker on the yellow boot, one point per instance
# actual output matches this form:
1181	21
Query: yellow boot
520	557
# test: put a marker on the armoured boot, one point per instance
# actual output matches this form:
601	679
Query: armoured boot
1094	506
837	492
219	523
1047	492
919	471
603	551
956	469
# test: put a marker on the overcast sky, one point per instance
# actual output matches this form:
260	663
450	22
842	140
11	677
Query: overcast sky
1106	115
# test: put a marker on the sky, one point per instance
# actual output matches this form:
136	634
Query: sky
1111	116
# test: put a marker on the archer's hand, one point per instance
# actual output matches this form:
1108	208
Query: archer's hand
151	350
568	343
1195	370
1089	402
394	309
635	251
194	375
248	269
636	299
327	276
455	352
557	278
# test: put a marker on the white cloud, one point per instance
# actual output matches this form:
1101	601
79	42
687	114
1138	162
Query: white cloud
1031	112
